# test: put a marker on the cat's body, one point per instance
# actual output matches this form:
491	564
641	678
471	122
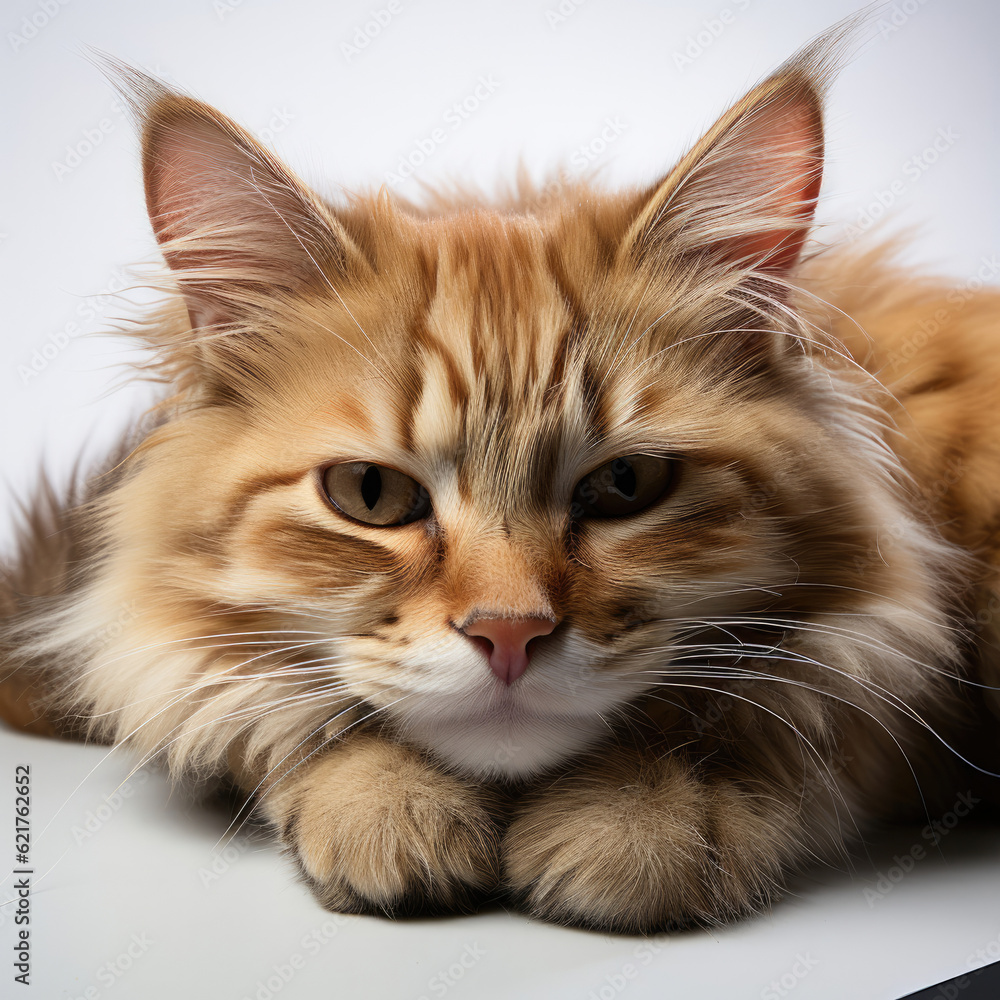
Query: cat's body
665	594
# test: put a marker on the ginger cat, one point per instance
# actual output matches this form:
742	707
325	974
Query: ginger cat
609	554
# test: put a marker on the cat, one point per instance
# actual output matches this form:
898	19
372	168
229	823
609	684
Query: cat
611	555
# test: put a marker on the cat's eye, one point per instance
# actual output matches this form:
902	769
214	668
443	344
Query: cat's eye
623	486
375	494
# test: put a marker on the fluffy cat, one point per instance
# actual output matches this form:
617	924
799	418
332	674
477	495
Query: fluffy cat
602	553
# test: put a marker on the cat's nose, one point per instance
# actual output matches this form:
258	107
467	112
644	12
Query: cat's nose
507	639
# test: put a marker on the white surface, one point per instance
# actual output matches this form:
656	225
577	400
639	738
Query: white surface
119	865
63	235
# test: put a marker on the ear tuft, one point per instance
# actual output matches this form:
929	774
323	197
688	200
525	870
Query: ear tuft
234	224
745	195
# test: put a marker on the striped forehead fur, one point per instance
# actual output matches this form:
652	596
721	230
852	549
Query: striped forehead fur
643	590
497	354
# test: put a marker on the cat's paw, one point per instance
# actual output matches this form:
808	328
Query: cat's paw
376	828
639	846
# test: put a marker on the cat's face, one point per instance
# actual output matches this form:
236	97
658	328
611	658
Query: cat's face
494	369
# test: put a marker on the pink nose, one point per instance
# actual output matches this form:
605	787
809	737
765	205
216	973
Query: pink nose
507	639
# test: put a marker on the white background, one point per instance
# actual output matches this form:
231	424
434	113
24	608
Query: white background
72	218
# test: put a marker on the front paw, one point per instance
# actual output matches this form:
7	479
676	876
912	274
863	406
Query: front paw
638	846
376	828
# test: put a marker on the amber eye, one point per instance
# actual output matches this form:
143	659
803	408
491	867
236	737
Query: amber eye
624	486
375	494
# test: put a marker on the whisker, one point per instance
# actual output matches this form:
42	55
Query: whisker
830	785
324	743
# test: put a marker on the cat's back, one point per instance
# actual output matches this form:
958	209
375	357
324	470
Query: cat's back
934	344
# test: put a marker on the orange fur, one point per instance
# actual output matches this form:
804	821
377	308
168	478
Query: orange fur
738	675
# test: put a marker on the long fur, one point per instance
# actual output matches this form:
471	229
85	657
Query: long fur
741	677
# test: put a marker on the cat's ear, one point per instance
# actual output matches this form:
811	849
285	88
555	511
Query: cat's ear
744	196
234	224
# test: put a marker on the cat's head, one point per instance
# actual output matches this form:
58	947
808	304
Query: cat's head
497	465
